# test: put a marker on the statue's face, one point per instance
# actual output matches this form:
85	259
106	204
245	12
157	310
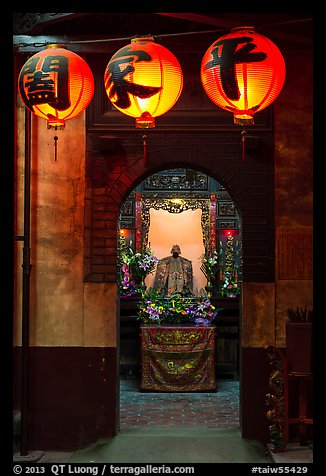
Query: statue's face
175	251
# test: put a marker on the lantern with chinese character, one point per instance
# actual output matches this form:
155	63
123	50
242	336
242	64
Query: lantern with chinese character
243	72
56	84
143	80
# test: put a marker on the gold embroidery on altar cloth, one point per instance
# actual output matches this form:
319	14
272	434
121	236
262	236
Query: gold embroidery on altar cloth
177	337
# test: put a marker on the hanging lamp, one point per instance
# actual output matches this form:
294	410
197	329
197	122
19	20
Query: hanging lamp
243	72
57	85
143	80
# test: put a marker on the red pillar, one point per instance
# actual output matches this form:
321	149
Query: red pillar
138	221
212	221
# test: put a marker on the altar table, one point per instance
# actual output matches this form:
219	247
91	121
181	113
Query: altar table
178	359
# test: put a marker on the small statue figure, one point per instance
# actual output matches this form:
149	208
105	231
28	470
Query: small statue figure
174	274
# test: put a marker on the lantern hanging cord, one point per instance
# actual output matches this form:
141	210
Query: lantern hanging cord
243	140
107	40
244	137
188	33
145	149
126	38
289	22
55	138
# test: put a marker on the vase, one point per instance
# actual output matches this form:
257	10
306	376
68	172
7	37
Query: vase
142	286
299	346
232	295
209	288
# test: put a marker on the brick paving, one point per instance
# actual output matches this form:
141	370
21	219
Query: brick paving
183	410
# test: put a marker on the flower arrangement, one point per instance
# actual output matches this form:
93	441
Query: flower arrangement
210	263
135	267
140	263
156	309
229	287
127	284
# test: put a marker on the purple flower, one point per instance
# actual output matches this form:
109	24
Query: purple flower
200	321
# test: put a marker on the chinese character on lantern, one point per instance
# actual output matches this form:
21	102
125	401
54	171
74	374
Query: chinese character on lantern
243	72
56	84
143	80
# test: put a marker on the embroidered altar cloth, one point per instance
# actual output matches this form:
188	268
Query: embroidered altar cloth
178	359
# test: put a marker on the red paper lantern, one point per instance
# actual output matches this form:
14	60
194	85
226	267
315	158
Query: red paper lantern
243	72
56	84
143	80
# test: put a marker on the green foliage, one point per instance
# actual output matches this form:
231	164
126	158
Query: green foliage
210	263
140	263
229	286
156	309
299	314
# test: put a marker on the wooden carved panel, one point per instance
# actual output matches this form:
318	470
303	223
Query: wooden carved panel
177	179
127	208
226	209
277	399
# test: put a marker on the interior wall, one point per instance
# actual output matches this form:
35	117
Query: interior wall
72	324
184	229
294	197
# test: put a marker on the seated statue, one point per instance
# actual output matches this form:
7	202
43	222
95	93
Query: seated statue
174	274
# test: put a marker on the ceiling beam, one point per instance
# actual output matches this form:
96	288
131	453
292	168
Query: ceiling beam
229	24
207	20
31	23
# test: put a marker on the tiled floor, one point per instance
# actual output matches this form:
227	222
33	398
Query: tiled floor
210	410
177	427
